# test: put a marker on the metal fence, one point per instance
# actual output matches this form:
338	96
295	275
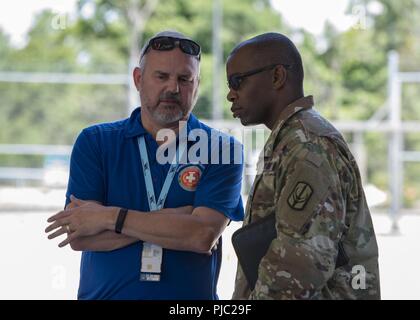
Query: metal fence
386	120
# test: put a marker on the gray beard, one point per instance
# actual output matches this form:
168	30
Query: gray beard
172	116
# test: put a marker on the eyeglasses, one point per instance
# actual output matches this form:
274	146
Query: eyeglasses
235	80
168	43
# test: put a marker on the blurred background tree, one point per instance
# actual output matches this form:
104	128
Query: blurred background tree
345	71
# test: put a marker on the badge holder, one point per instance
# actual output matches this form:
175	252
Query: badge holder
151	262
151	256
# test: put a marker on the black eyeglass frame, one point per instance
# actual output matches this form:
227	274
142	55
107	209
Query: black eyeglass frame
235	80
187	46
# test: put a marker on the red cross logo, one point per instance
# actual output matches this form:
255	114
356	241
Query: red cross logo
189	177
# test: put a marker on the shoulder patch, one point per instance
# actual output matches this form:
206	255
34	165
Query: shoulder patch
300	195
314	159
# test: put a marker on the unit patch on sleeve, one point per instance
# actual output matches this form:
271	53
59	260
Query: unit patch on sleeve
300	196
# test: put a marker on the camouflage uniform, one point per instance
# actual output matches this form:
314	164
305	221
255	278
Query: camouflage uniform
309	178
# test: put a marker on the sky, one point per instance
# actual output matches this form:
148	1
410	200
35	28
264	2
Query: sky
16	16
312	14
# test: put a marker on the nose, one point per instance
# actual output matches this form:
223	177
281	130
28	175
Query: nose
231	96
173	86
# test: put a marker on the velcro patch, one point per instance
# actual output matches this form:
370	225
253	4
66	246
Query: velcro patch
304	191
300	195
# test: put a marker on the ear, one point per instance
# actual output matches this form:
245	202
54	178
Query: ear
137	77
279	77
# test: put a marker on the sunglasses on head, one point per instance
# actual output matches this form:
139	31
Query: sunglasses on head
235	80
168	43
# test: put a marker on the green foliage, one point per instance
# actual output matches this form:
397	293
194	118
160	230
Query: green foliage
346	72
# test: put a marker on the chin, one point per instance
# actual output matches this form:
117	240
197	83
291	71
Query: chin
169	117
246	122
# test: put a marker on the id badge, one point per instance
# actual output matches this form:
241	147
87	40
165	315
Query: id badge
151	262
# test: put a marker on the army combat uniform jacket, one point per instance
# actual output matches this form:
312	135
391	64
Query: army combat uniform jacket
326	246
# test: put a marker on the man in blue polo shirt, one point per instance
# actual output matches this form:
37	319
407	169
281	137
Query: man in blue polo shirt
118	176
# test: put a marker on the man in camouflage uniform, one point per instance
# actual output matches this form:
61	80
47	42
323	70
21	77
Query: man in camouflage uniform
326	246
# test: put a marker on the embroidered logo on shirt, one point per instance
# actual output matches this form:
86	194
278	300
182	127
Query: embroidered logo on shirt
300	196
189	177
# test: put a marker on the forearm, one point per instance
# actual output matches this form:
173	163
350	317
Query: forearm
173	228
171	231
108	239
104	241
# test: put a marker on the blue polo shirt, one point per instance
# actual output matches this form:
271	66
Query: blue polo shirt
106	167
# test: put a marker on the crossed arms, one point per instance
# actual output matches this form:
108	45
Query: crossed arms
90	226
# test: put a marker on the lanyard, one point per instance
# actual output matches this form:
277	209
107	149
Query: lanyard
153	206
151	257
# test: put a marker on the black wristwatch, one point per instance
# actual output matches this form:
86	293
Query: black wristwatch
120	220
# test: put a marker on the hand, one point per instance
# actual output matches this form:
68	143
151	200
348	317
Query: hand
83	218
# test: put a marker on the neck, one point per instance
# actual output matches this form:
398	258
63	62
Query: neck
274	116
283	102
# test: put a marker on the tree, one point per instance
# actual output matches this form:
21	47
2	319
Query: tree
101	38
